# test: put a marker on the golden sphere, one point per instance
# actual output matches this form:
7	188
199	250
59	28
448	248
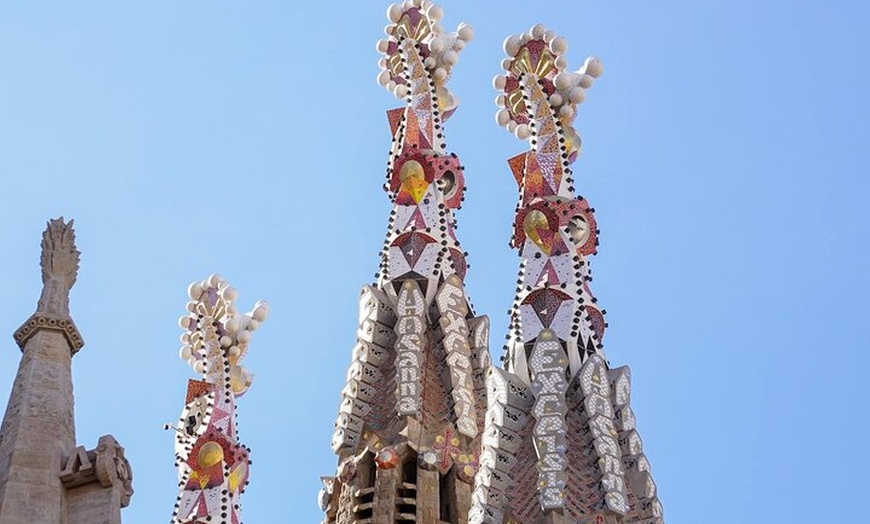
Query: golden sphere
411	169
210	454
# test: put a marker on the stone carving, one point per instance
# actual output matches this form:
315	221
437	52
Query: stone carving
60	264
105	464
411	333
547	365
39	321
113	469
453	307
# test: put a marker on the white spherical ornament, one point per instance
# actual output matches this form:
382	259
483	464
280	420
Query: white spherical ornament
260	312
185	337
593	67
232	325
244	336
401	90
458	45
566	111
561	62
507	63
511	126
523	132
465	32
436	45
184	322
549	35
586	81
383	45
214	280
194	291
394	12
234	351
253	325
525	37
500	100
576	95
391	86
199	366
383	78
450	57
562	81
435	13
382	63
191	306
229	294
232	310
437	28
440	73
558	45
502	117
416	3
498	82
556	100
537	31
185	353
226	341
430	62
511	45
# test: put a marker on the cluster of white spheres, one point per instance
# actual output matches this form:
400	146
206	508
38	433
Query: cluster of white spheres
570	86
237	327
444	47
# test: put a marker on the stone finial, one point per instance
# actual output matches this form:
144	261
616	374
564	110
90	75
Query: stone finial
60	265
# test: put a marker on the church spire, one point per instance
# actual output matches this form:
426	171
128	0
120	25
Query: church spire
554	230
563	447
44	477
212	464
409	426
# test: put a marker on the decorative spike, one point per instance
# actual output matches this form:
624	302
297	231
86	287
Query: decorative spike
212	466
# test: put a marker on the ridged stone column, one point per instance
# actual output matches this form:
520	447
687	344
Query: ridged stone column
38	428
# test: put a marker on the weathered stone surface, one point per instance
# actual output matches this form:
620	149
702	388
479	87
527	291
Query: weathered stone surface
37	432
44	477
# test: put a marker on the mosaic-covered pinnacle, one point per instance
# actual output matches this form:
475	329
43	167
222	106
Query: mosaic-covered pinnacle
213	467
418	22
539	55
212	302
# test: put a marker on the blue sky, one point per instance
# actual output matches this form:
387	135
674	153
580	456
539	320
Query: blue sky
725	152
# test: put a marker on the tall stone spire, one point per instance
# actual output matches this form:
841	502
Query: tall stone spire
561	442
213	466
409	425
44	477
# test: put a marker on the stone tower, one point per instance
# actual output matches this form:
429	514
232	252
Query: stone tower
428	430
213	466
560	442
409	425
44	477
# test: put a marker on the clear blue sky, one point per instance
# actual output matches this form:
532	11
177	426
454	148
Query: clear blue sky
725	151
